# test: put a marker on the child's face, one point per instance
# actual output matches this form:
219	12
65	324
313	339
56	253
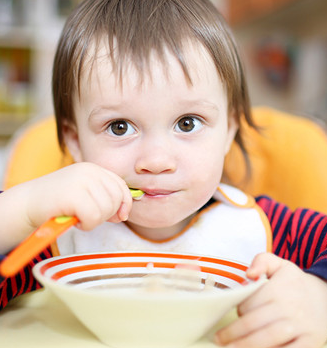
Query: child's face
165	136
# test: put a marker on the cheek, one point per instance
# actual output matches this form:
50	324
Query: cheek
208	163
208	181
110	159
205	176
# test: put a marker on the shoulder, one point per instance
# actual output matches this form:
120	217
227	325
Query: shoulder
271	207
294	222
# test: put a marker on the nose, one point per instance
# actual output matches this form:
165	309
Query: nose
156	157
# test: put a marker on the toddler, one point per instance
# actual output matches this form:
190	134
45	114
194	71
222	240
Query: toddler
149	94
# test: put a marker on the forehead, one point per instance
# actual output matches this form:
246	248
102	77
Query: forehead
101	65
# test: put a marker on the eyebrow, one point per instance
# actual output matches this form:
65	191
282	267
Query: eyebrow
109	107
201	102
186	102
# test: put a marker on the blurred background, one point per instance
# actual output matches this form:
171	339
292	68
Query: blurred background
283	44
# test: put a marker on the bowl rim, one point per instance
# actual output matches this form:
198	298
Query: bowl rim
40	268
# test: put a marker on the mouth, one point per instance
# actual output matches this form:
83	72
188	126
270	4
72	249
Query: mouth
157	193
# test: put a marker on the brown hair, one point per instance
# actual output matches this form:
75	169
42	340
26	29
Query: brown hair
136	28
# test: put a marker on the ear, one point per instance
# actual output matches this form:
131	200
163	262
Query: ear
233	126
72	142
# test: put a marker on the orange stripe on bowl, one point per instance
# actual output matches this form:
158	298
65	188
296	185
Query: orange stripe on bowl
93	267
141	254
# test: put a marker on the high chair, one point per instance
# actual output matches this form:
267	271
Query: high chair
288	158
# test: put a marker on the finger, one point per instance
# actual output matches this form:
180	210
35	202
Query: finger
125	199
98	204
265	263
112	196
115	218
275	334
248	323
123	212
260	298
89	215
304	341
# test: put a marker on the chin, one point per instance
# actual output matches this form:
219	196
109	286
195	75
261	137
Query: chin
161	222
149	223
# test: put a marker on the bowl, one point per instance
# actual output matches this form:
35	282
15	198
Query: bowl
145	299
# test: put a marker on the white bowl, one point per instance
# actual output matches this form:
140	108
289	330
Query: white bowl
143	299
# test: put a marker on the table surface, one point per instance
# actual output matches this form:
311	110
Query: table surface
39	319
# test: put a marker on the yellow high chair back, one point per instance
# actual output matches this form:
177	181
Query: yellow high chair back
288	158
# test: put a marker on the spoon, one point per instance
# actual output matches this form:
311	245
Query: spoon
40	239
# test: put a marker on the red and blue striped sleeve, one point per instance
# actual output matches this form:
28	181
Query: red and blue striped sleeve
22	282
299	236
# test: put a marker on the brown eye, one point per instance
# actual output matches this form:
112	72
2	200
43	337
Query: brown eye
188	124
120	127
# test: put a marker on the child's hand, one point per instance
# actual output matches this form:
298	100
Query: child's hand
85	190
290	310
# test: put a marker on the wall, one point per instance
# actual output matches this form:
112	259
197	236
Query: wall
285	53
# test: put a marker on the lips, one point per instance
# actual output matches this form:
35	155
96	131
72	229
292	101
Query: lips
157	192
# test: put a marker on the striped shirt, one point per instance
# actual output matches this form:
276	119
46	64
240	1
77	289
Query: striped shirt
299	236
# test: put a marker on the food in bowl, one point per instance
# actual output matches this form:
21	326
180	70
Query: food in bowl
144	299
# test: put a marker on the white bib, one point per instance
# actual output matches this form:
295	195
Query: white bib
234	227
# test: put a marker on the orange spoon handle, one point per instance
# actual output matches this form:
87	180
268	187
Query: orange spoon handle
35	243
